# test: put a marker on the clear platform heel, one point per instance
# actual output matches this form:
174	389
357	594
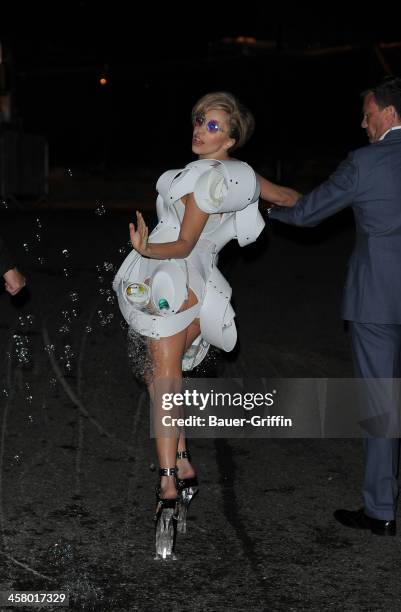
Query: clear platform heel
187	489
166	518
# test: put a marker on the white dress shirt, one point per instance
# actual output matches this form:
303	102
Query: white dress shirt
396	127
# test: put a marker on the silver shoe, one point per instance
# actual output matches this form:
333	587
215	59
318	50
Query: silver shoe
187	489
166	517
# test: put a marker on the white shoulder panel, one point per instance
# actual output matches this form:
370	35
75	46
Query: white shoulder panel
226	187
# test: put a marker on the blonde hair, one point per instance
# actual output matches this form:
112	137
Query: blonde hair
242	123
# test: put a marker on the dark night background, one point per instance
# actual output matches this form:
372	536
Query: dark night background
77	465
301	78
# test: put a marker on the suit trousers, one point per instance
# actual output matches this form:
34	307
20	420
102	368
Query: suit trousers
376	352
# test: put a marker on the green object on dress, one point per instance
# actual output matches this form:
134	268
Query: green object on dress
163	304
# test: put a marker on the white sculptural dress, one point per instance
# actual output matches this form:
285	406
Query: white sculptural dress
228	191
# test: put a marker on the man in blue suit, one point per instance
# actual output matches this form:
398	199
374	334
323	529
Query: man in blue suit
369	181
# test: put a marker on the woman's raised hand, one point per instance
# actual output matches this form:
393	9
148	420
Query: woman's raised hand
139	236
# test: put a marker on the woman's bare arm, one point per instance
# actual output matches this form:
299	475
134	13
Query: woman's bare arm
277	194
191	228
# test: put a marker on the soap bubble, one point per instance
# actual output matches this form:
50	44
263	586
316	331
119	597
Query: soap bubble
100	210
109	267
105	319
60	554
28	393
26	321
21	350
18	458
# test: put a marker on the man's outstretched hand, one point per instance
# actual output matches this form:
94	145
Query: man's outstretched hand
14	281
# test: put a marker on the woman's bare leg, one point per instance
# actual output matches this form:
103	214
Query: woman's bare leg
166	355
185	469
167	378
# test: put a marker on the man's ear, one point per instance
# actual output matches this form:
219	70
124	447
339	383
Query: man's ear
391	112
396	116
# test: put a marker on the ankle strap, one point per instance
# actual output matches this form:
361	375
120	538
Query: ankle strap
168	471
183	455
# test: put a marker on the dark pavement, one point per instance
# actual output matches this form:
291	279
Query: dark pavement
78	466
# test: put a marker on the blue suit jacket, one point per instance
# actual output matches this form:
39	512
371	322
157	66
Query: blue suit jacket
369	180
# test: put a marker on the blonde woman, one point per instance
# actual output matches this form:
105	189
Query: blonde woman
199	208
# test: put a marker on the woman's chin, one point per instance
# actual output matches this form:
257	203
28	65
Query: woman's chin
197	149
